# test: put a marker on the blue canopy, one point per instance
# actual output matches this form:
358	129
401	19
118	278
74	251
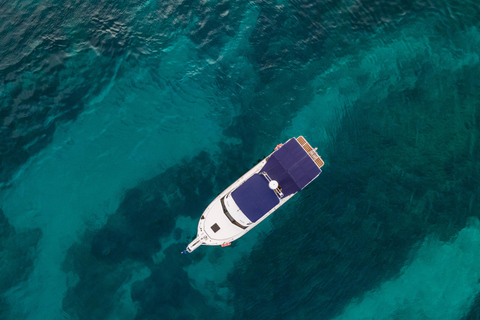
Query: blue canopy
290	166
254	197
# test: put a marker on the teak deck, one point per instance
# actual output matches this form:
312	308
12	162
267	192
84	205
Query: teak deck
312	153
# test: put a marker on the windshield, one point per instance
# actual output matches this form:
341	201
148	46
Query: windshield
229	216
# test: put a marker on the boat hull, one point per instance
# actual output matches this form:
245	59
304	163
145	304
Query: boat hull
218	228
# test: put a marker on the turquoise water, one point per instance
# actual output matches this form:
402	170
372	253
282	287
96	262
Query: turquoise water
121	121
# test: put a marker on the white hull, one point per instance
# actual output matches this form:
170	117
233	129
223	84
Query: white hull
215	214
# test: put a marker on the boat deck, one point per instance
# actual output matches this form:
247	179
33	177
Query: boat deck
311	152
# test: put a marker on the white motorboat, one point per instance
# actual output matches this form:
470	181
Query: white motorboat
258	193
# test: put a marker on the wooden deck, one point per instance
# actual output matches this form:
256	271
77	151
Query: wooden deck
311	152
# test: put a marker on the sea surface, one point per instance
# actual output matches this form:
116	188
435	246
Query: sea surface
121	120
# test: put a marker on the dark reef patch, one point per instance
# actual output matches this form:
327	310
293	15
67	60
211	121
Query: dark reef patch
396	174
17	253
167	294
106	259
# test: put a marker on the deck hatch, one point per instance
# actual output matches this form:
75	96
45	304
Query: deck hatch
215	227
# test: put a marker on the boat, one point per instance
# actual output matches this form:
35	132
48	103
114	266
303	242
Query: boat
258	193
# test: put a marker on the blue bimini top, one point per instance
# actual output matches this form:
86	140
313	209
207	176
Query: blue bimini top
290	166
254	197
